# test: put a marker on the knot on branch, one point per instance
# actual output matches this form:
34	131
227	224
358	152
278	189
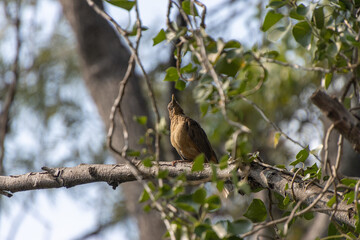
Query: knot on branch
56	174
93	172
5	193
96	175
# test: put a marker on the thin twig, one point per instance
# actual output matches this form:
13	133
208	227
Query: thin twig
138	61
326	147
291	216
257	228
292	183
117	105
339	155
261	112
135	56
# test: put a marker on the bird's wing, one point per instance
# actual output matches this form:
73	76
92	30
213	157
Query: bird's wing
199	138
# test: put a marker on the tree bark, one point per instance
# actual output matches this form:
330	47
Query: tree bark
343	120
258	174
103	63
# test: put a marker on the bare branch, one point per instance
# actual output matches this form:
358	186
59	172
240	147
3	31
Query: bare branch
343	120
260	174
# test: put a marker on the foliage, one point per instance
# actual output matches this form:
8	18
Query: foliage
234	85
325	35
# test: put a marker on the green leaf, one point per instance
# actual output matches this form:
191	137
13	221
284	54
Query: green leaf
332	230
276	138
132	153
256	211
350	196
279	201
302	9
277	33
185	207
165	191
301	156
309	215
198	164
244	187
223	162
151	186
147	162
204	108
161	36
147	208
318	17
302	33
276	4
331	201
286	200
135	29
141	119
186	203
178	189
144	196
214	173
272	54
271	19
199	196
180	85
239	226
232	44
328	79
187	8
171	75
163	174
314	171
220	185
357	223
188	69
349	182
228	65
293	14
201	228
213	203
124	4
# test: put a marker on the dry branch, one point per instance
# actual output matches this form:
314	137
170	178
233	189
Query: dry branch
343	120
259	174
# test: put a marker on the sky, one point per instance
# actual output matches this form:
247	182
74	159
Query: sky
60	216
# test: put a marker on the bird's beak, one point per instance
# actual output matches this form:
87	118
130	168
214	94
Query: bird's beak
173	98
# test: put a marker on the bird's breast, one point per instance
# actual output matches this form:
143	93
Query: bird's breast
181	140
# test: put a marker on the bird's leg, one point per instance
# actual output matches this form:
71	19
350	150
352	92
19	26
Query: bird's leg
183	159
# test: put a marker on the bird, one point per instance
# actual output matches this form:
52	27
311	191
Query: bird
187	136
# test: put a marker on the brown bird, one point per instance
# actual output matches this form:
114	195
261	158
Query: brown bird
186	135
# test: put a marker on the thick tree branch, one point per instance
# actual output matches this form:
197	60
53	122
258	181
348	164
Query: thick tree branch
343	120
259	174
113	174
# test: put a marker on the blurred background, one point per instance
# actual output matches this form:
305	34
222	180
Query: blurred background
67	69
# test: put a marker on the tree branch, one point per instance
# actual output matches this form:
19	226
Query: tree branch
260	174
343	120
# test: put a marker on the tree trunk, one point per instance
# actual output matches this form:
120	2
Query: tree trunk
103	63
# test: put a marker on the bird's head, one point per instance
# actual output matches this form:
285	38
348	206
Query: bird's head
174	107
